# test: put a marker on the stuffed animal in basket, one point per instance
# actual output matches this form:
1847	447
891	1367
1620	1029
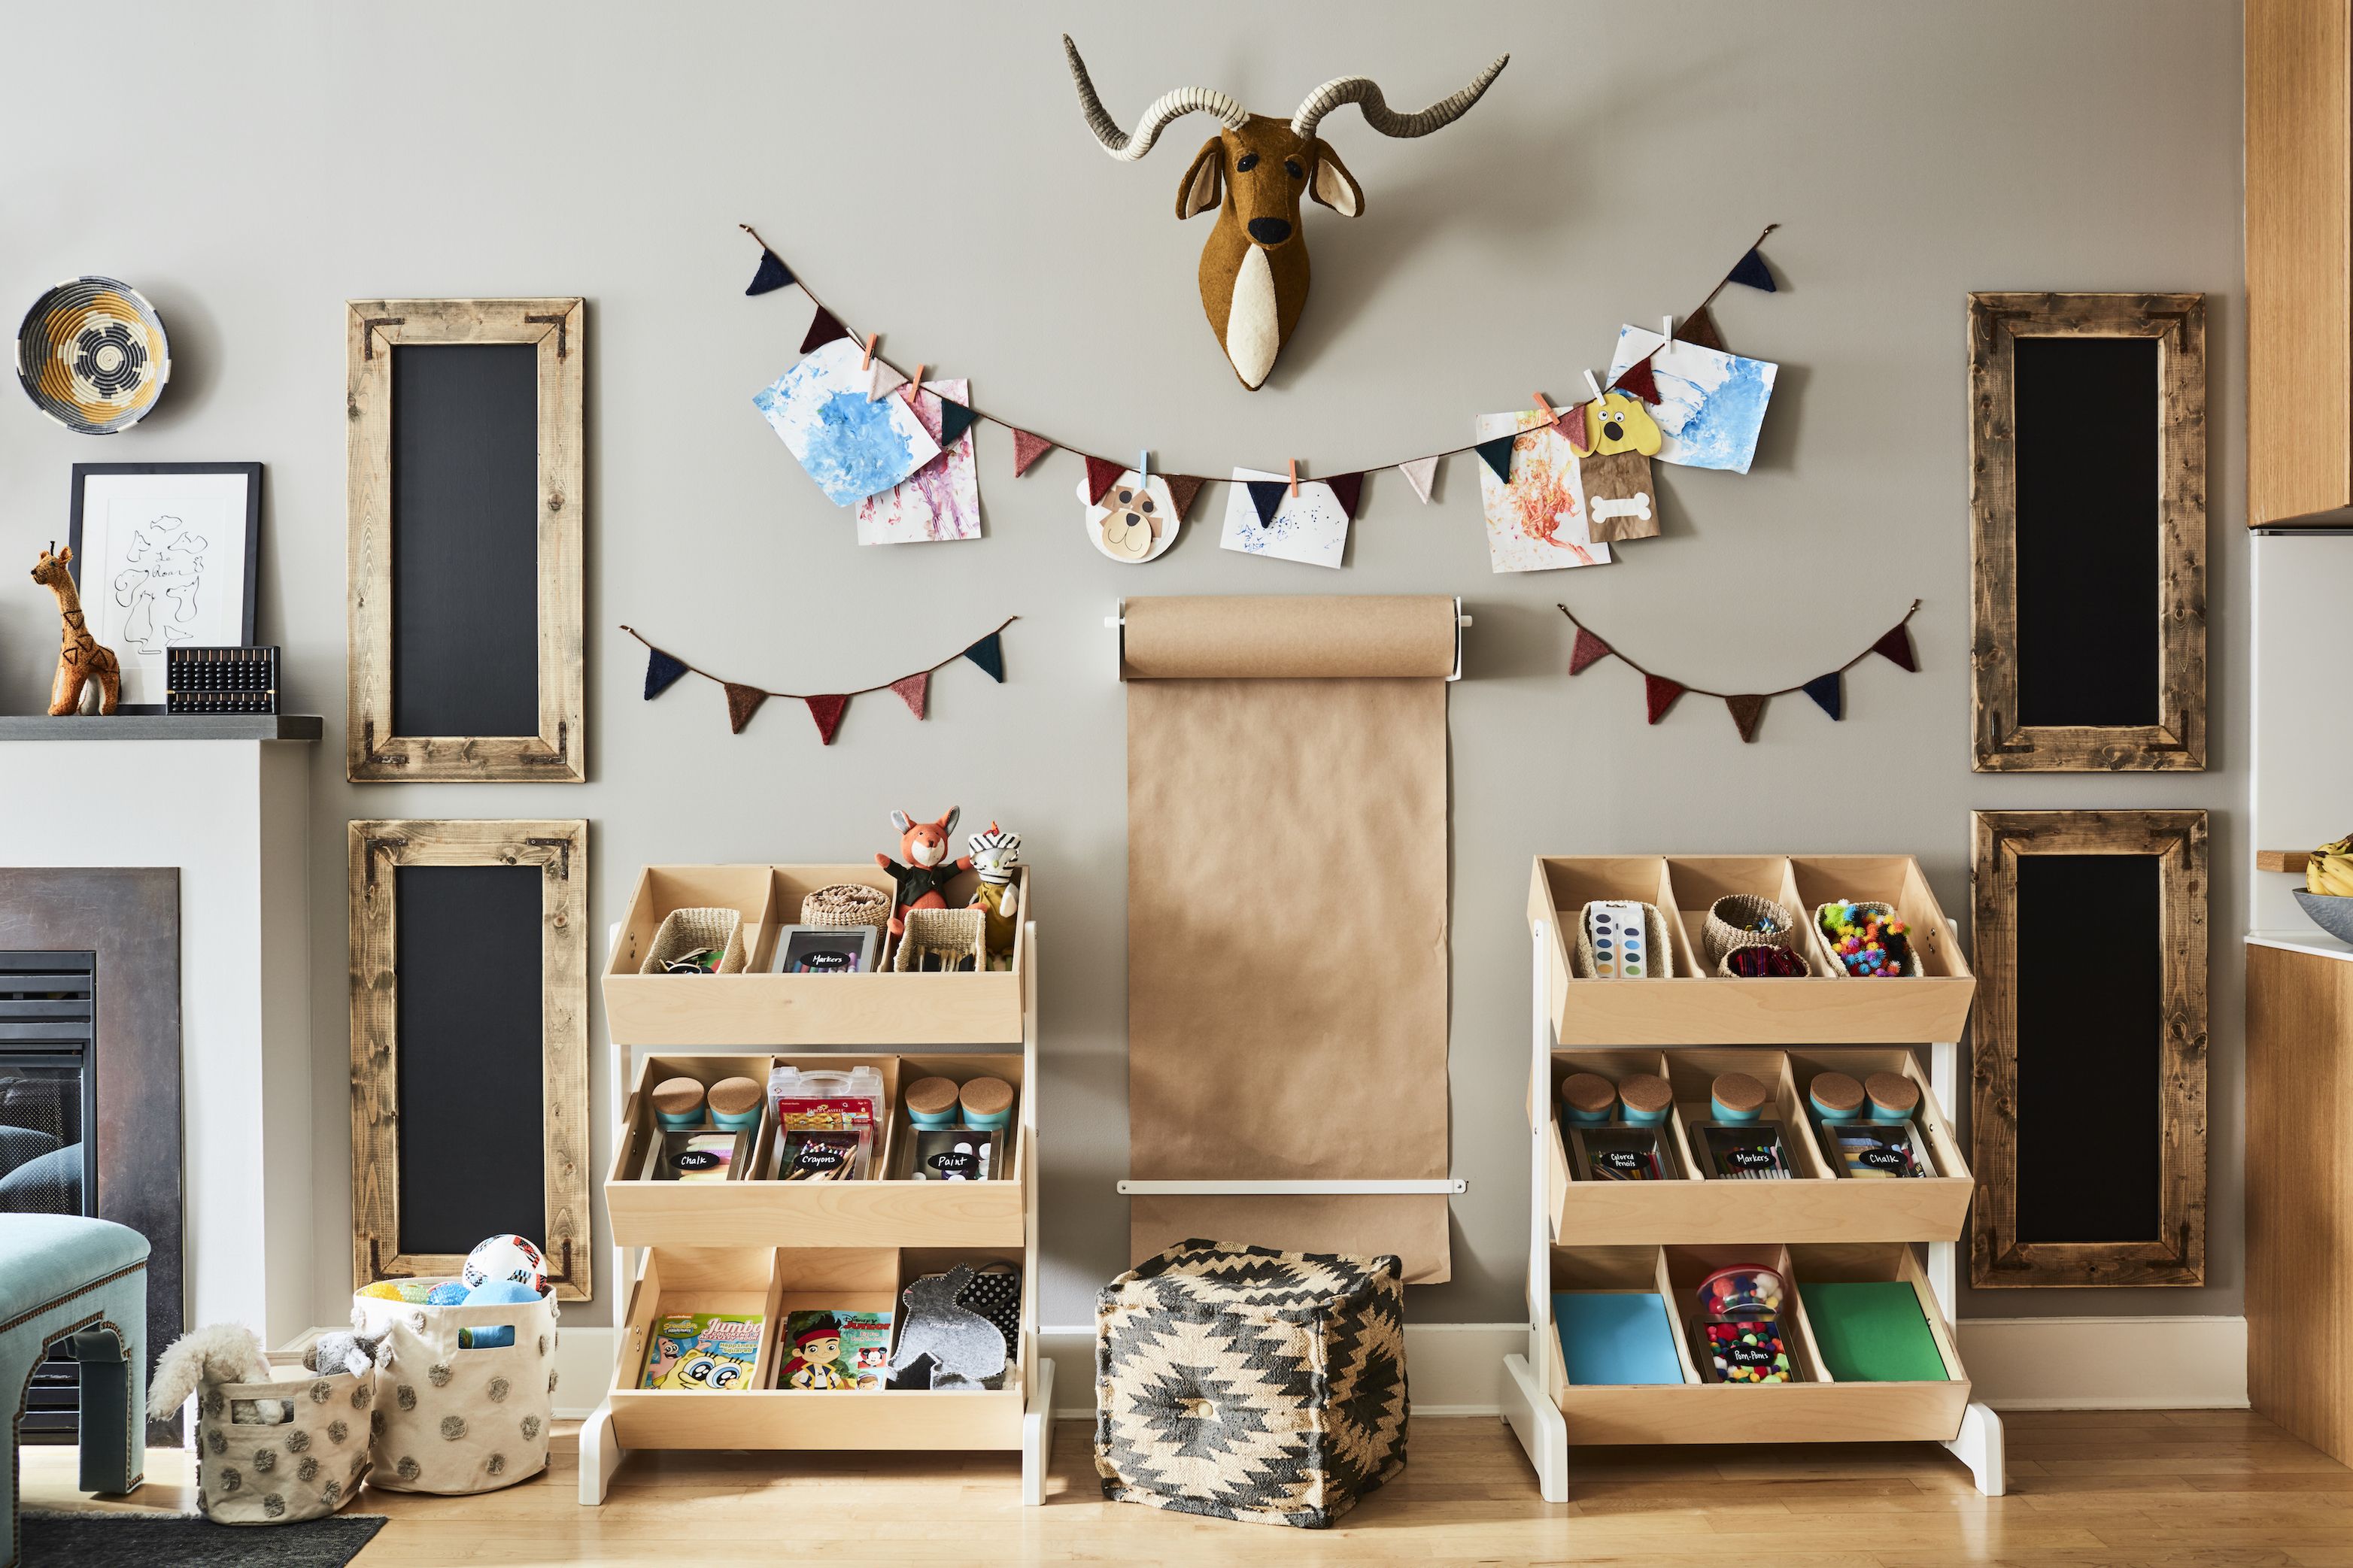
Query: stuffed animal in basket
218	1353
994	854
922	880
343	1349
966	1349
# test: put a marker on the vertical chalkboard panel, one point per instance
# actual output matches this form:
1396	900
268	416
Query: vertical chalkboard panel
465	556
471	1055
2090	1044
2087	421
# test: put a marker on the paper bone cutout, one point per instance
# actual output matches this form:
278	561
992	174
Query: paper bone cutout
1253	271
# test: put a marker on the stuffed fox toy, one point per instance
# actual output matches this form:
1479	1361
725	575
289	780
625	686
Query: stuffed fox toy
922	880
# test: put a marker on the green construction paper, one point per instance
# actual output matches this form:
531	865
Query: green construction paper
1873	1331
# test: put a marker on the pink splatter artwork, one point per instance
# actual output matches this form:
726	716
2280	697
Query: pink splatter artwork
1538	521
941	500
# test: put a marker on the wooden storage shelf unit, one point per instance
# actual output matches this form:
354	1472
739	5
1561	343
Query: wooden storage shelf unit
1818	1226
1695	1006
754	1244
757	1008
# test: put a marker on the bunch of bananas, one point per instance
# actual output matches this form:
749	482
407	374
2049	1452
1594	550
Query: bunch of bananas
2329	869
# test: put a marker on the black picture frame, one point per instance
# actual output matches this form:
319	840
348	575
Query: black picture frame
84	472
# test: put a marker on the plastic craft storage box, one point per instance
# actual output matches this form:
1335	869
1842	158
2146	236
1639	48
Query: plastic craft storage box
760	1212
1697	1008
757	1008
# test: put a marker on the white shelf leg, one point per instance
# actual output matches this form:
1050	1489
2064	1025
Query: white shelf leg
1038	1435
600	1456
1536	1422
1534	1418
1979	1448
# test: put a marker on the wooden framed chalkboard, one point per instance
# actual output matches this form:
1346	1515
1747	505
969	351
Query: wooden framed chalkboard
470	1045
465	499
2088	1115
2087	507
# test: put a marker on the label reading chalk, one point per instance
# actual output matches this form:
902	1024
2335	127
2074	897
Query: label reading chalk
955	1165
1881	1157
701	1160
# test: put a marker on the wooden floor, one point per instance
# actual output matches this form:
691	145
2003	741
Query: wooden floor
2207	1488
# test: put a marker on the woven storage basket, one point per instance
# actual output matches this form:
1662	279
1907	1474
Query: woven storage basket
1724	964
1654	926
847	904
954	934
691	930
455	1420
1731	919
1246	1383
1862	906
303	1468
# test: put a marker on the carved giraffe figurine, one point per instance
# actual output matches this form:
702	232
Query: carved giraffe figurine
81	656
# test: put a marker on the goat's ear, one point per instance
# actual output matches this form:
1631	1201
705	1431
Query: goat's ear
1204	183
1333	186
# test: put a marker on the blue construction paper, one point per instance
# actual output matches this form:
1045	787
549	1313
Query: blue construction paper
1616	1337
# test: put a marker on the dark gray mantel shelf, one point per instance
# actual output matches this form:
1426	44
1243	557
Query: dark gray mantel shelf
162	727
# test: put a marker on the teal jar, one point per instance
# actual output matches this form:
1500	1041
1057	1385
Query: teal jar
1893	1097
1736	1097
1645	1099
1588	1098
1835	1097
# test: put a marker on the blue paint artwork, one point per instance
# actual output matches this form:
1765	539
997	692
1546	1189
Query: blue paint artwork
851	447
1711	403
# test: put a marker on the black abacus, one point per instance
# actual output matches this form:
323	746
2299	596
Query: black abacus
220	681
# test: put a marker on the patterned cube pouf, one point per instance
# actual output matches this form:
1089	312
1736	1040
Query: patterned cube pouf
1247	1383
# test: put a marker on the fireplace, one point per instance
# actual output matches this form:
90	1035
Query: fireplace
89	1082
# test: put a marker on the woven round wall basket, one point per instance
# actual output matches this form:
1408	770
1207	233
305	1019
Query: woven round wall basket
1738	919
91	354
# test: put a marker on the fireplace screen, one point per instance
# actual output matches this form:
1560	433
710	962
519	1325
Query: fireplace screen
49	1113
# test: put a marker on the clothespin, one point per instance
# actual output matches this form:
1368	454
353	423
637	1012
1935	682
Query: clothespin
1294	475
1545	408
1594	385
915	383
1144	465
1667	328
866	361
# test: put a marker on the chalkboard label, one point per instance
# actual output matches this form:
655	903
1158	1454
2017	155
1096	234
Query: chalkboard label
1751	1157
955	1165
1754	1357
817	1160
1881	1157
701	1160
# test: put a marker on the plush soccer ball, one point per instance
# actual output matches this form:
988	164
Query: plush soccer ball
505	1257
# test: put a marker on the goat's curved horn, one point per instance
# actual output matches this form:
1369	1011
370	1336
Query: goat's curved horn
1170	106
1365	91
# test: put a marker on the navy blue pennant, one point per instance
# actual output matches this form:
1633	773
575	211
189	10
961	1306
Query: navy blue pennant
772	273
1829	692
989	654
955	418
1497	455
661	672
1750	269
1267	496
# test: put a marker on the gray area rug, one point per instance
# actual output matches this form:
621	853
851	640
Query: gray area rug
61	1539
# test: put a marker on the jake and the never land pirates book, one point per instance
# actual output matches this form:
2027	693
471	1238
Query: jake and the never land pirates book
708	1352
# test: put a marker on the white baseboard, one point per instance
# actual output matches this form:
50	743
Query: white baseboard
1454	1369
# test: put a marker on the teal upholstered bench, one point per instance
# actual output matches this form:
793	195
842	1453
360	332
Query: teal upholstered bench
63	1276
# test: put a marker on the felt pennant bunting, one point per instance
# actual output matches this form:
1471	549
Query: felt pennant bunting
1573	429
1102	474
1182	489
915	690
772	273
1637	380
822	330
1266	498
955	418
742	701
1746	709
1699	328
1829	692
1896	647
886	382
1658	694
1590	650
826	711
1751	271
1419	474
661	672
1028	449
989	653
1497	455
1347	488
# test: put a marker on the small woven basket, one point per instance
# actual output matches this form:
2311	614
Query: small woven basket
1724	964
1654	927
1732	922
691	930
847	904
1862	906
957	935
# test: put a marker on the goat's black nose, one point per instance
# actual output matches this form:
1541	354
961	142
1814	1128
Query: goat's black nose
1270	230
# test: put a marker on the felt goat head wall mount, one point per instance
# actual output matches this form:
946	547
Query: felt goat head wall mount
1254	267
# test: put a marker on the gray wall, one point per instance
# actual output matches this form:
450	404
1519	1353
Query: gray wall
925	166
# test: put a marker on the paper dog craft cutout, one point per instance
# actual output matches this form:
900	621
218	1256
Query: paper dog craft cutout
1254	267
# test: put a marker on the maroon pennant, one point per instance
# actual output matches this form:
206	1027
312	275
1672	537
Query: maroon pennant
915	690
1028	449
1182	489
1659	694
822	330
1699	327
1746	709
1590	650
1345	489
1102	474
1638	380
742	701
1571	427
1896	646
826	711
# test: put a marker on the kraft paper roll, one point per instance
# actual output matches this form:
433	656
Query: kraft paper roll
1288	638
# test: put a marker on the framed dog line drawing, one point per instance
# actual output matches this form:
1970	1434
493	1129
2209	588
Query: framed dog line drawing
177	550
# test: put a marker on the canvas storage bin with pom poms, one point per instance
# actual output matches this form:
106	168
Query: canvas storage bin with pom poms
277	1452
1246	1383
453	1419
